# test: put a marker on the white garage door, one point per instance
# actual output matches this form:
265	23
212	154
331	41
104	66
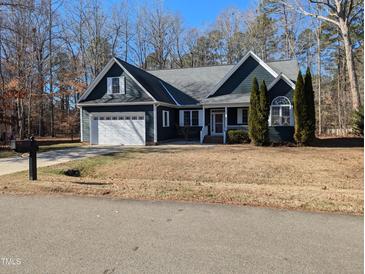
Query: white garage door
126	128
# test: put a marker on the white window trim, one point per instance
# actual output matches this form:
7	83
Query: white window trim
291	120
240	116
122	85
182	122
165	123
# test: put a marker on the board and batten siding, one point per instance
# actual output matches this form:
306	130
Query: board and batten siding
147	109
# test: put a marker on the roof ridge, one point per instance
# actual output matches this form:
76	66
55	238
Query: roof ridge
282	60
210	66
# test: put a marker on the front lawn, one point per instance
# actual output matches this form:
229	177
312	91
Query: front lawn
318	179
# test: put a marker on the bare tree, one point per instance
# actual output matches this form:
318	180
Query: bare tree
341	14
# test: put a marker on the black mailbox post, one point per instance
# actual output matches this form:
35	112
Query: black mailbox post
31	147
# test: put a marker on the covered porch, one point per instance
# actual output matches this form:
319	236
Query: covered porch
221	113
219	119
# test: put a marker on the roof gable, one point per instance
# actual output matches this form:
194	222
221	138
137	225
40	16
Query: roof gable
239	78
97	90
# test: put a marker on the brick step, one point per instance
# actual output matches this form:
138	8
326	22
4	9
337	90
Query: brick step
208	139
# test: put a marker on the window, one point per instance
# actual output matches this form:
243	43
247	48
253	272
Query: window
195	118
242	116
280	112
165	118
187	119
116	85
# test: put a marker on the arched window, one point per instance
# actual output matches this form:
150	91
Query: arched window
281	112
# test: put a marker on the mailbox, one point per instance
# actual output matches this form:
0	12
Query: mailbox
30	146
24	146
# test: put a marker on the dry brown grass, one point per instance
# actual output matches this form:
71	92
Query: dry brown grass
320	179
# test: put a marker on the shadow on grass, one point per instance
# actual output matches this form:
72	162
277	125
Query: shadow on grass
344	142
91	183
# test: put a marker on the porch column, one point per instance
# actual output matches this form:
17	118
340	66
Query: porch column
203	117
225	124
202	131
155	124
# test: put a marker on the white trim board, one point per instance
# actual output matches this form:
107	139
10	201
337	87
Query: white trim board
134	79
97	79
285	78
229	74
176	102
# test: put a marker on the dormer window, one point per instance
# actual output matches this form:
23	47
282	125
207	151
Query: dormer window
116	85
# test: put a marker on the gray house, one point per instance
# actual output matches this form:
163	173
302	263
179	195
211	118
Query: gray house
127	105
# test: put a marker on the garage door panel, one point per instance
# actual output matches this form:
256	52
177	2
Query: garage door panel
122	129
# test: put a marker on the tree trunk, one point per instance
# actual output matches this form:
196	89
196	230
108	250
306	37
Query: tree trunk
50	69
339	116
356	101
318	34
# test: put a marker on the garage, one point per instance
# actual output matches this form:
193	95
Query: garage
126	128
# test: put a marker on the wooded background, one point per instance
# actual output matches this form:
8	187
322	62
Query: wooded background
50	50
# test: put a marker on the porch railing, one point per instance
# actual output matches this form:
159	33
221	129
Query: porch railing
203	133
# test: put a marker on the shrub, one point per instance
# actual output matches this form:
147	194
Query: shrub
263	115
299	104
237	136
309	130
253	112
358	122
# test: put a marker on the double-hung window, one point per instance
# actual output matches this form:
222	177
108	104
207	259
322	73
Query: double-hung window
165	118
116	85
242	116
191	118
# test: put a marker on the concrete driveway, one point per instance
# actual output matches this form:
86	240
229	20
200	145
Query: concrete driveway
17	163
86	235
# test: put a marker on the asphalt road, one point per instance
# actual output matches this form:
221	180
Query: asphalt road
88	235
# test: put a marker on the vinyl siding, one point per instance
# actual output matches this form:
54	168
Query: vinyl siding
171	132
134	92
241	80
281	88
281	134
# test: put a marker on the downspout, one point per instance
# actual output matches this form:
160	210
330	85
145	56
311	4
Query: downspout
225	125
155	123
81	126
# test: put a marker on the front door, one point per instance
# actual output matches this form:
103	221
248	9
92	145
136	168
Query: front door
217	123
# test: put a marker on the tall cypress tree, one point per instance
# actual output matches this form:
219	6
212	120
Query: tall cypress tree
309	130
263	115
253	115
299	108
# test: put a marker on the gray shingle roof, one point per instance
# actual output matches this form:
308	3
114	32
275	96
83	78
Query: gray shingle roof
195	82
288	67
200	81
228	99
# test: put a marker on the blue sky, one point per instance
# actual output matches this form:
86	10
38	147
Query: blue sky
196	13
202	12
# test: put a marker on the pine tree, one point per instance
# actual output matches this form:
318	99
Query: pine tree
309	129
263	116
253	111
299	106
